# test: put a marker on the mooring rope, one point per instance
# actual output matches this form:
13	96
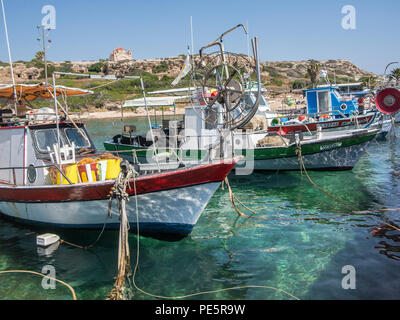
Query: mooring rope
299	152
119	192
352	207
44	276
233	198
91	245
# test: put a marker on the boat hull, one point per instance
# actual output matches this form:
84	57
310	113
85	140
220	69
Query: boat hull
168	203
174	211
339	159
334	154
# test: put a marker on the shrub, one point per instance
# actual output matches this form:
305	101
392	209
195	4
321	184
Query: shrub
298	84
277	82
65	67
96	67
162	67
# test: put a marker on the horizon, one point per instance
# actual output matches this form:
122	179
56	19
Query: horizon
312	30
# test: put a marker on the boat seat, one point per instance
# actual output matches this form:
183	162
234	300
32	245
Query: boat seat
66	154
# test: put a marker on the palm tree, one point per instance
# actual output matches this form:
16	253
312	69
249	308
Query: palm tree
313	72
396	74
39	55
369	82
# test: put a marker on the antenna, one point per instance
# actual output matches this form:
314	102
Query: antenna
45	47
9	56
191	33
248	38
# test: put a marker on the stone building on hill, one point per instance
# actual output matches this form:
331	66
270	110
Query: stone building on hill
120	54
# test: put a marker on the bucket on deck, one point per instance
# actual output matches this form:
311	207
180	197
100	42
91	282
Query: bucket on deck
71	172
113	168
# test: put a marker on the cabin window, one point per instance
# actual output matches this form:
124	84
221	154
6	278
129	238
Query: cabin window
76	137
337	95
323	101
47	138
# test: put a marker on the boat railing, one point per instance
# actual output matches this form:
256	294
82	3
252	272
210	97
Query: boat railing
28	118
13	169
178	152
314	115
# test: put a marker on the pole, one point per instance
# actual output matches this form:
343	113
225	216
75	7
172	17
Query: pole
57	120
9	56
149	121
191	33
45	53
248	40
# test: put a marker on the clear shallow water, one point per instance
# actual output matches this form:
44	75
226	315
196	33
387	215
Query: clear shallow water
283	250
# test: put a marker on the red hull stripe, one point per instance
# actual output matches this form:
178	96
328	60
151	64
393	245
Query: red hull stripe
100	191
313	126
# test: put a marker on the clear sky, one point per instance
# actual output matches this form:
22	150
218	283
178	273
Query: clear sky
287	29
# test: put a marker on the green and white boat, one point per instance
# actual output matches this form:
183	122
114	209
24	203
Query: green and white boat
331	150
325	150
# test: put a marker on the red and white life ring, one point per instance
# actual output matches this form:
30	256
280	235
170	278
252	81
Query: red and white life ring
388	100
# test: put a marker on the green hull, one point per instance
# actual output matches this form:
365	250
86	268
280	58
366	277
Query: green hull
319	153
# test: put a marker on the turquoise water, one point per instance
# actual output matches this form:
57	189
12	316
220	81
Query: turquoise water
300	245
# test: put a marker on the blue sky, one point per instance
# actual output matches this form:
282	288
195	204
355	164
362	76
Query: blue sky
287	29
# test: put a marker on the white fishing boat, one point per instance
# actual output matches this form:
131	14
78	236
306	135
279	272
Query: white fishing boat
51	174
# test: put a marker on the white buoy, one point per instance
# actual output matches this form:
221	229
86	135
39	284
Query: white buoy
45	240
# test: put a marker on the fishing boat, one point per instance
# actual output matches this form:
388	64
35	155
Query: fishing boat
325	108
51	174
327	150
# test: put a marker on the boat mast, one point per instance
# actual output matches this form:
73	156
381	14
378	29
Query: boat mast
57	118
43	35
10	59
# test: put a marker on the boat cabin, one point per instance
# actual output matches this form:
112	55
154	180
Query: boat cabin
24	148
329	100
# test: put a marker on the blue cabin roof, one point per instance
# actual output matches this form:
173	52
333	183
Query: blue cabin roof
323	88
